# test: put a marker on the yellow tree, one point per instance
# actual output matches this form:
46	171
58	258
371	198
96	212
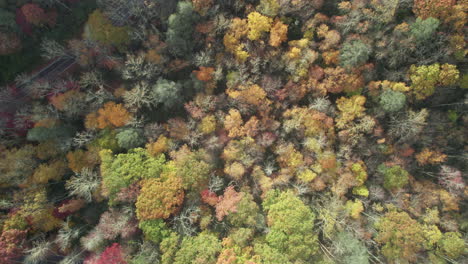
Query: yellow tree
257	25
350	109
100	28
252	95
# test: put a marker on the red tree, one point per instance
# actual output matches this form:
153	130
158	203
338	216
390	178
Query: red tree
22	22
112	255
228	202
9	43
10	245
33	14
209	197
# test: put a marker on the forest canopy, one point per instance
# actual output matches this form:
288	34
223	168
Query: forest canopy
233	132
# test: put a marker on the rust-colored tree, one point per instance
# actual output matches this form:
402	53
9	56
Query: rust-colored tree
228	202
278	34
204	74
433	8
11	245
33	13
111	115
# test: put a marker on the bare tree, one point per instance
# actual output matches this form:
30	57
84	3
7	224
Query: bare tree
52	49
408	126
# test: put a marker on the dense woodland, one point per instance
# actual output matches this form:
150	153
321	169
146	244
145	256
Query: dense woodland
233	132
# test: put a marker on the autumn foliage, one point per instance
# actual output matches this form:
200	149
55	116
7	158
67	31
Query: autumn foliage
233	132
33	13
205	74
10	245
278	34
227	203
111	255
111	115
159	198
431	8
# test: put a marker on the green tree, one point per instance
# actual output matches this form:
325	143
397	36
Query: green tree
423	30
392	101
130	138
354	53
247	212
452	245
241	236
401	236
192	167
270	255
122	170
202	248
291	225
169	247
269	7
395	177
107	139
155	230
180	29
100	28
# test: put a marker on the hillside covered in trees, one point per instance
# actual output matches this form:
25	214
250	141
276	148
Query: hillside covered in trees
233	132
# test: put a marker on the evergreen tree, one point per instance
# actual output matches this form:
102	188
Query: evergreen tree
167	93
180	29
423	30
392	101
130	138
354	53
